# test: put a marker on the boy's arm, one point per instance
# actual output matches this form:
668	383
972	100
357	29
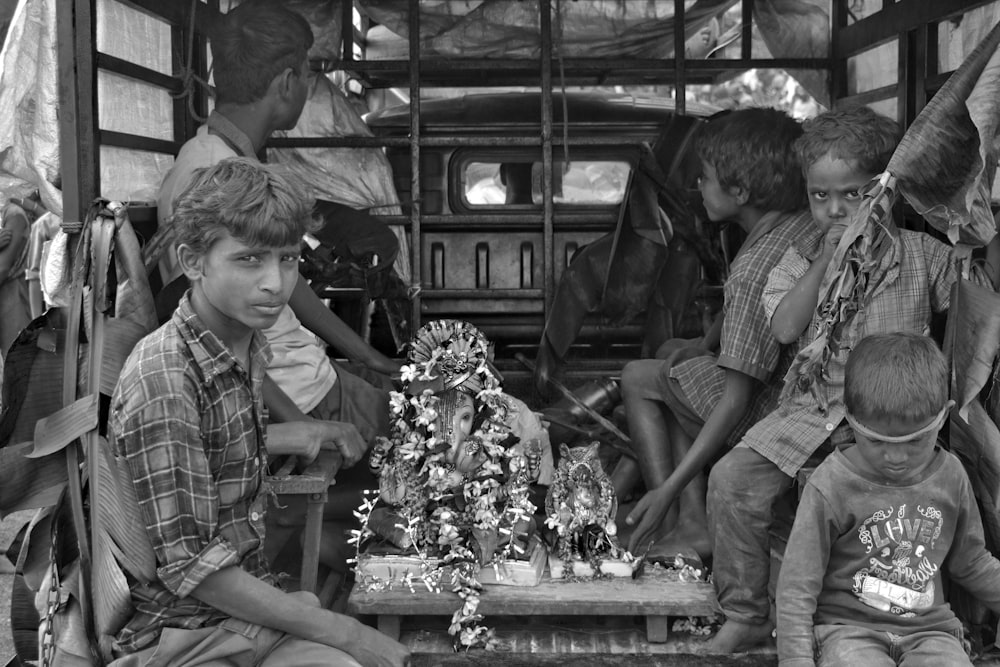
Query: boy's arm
801	580
318	318
293	432
737	393
713	336
241	595
969	563
796	308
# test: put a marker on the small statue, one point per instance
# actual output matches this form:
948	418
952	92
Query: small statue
581	506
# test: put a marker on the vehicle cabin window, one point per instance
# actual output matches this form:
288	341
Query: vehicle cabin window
513	183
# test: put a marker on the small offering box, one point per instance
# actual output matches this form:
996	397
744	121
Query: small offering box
510	573
612	567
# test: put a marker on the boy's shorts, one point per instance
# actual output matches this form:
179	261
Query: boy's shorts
691	386
654	382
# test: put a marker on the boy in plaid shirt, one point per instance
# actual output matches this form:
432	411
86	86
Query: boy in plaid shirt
681	413
188	420
841	151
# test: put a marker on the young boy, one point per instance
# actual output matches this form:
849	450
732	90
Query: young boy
879	519
840	151
259	55
750	176
262	79
188	419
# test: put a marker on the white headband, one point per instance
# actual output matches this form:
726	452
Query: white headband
936	423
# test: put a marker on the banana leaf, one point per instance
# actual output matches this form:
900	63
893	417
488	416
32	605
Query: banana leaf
947	159
974	325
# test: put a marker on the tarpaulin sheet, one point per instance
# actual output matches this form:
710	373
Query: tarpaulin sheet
358	177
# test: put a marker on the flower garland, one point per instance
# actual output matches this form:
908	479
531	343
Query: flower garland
457	518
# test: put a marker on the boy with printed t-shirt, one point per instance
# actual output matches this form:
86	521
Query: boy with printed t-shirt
880	519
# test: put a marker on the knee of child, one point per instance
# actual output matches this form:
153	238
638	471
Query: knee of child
631	374
726	474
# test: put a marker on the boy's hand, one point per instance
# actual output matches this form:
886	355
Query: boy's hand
649	513
5	236
342	436
833	236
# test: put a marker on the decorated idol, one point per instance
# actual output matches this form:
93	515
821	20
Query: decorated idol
455	473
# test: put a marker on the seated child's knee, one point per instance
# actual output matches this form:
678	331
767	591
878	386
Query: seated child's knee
726	474
641	375
631	373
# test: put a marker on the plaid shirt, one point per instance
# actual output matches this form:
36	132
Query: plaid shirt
919	284
189	421
747	344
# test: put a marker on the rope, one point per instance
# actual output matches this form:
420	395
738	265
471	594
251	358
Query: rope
187	74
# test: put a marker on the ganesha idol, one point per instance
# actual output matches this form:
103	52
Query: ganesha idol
456	471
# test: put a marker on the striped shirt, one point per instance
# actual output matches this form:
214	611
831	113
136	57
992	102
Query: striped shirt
747	344
189	421
919	285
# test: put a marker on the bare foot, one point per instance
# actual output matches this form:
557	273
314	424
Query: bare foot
736	636
686	539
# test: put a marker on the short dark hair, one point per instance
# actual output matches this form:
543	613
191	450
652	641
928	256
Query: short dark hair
752	149
897	376
258	204
254	43
855	134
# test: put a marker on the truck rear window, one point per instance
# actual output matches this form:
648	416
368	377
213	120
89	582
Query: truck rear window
519	183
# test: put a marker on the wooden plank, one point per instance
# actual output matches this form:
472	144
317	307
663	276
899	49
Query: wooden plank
316	478
496	659
125	68
569	641
137	142
653	593
77	106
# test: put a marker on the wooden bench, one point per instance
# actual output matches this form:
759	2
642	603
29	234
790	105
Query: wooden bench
314	483
656	595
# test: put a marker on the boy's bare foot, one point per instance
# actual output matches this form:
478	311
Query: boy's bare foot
736	636
686	539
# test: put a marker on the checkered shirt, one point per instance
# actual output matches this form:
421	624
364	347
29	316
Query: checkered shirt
747	344
919	284
189	421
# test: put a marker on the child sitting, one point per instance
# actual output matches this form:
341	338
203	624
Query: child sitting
861	579
187	422
750	176
840	151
